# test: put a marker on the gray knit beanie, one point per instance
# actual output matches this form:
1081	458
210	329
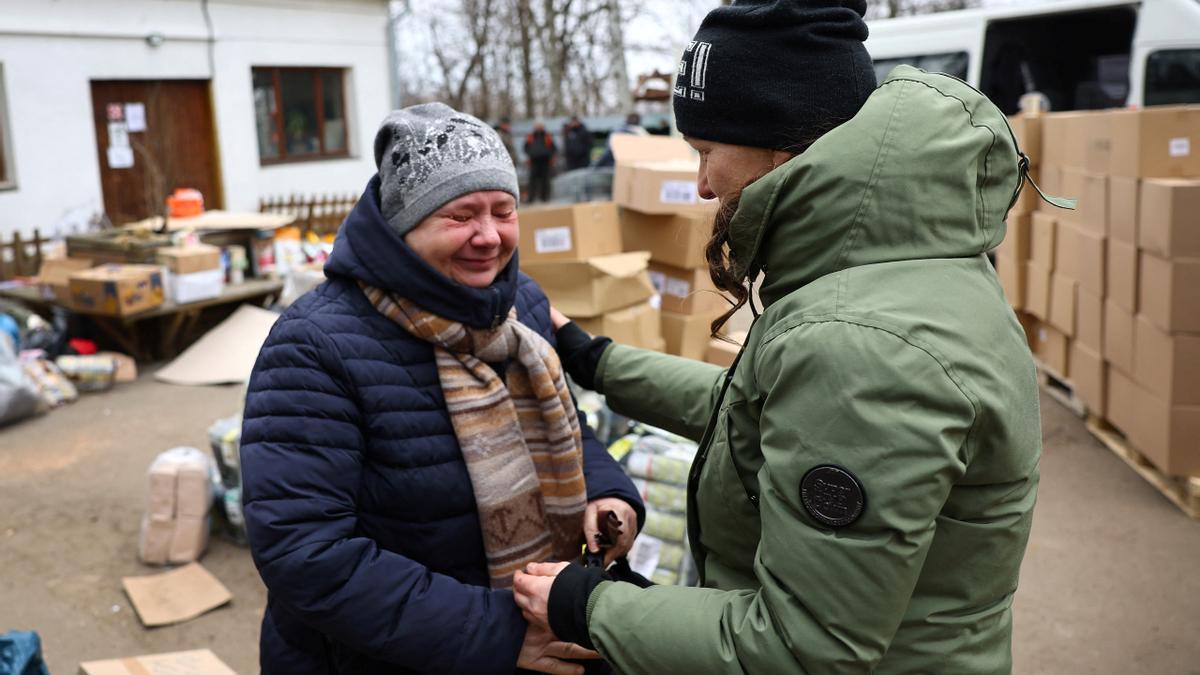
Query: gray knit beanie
431	154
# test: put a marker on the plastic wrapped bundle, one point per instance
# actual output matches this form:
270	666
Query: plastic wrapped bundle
176	522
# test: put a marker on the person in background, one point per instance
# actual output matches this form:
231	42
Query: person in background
865	483
632	125
504	129
577	142
409	438
540	150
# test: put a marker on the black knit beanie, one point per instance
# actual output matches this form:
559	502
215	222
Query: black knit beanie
774	73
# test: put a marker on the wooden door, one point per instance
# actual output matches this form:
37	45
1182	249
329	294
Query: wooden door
175	147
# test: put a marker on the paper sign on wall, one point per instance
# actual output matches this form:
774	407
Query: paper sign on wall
120	158
118	135
135	117
116	112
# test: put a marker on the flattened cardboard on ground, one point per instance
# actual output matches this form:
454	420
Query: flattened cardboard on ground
226	354
179	595
195	662
591	287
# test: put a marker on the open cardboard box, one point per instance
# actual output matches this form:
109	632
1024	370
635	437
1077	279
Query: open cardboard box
656	174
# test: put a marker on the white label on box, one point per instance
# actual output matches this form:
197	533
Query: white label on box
643	557
659	280
656	301
1179	147
552	240
680	288
678	192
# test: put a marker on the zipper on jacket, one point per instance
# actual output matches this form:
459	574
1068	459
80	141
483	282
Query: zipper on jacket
497	318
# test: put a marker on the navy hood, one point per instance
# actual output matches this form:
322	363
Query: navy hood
367	249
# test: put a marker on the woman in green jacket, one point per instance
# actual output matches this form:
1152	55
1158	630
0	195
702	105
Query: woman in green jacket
867	471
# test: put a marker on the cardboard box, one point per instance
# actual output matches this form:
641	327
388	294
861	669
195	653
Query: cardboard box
1044	232
117	290
1167	434
673	239
1118	337
1028	130
1051	347
54	277
1066	250
1121	272
636	326
196	662
1093	204
722	353
1013	279
195	286
189	259
1064	143
1018	236
656	174
1087	377
686	291
1091	261
1120	406
1123	196
1158	142
1097	143
1062	303
1050	180
1167	366
1073	185
1089	320
572	232
1169	292
1169	217
687	335
1037	291
589	288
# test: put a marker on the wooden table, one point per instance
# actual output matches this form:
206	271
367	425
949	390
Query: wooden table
176	320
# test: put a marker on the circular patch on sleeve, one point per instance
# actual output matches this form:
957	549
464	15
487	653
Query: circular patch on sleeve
832	495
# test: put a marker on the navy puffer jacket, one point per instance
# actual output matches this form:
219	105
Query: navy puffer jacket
361	516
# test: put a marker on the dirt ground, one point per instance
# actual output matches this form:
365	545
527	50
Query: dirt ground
1109	583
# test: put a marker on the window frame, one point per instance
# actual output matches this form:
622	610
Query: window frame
276	73
8	169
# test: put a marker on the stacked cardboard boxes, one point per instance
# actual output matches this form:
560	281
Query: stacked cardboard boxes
574	253
661	212
193	273
1110	288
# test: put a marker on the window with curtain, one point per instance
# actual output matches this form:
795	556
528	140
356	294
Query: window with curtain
300	113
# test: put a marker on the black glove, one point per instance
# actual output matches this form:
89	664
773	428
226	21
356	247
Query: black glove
567	606
580	354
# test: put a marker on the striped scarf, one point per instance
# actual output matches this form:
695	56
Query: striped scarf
521	442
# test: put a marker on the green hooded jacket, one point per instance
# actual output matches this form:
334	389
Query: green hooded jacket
886	348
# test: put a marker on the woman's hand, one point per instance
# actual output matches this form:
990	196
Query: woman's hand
558	318
531	590
596	509
543	653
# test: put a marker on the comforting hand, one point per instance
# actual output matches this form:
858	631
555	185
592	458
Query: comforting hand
543	653
531	590
592	523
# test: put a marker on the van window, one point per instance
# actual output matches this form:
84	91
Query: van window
953	63
1173	76
1078	59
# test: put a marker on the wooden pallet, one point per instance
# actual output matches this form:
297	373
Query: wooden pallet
1061	389
1183	492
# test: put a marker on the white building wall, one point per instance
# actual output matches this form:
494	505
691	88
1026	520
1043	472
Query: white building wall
50	50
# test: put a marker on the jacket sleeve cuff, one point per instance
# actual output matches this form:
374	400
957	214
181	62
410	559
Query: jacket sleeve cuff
580	353
568	603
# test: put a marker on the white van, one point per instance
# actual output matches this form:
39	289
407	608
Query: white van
1081	54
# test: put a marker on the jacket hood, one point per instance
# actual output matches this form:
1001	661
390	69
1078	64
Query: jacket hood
928	168
367	249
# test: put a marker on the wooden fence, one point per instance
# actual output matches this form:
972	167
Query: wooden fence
322	215
21	257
